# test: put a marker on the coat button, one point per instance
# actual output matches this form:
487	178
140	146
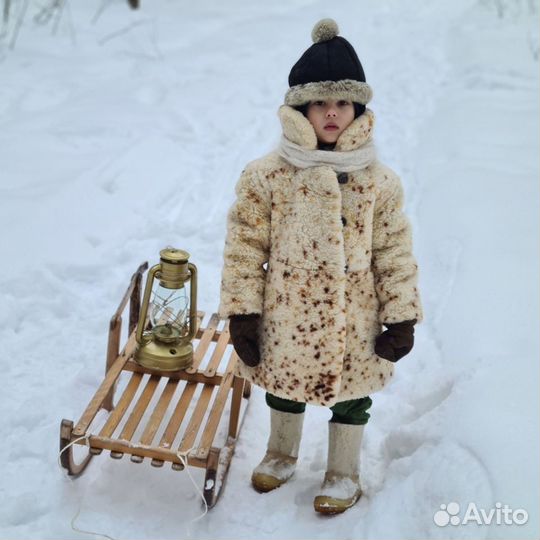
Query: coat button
343	220
346	268
343	178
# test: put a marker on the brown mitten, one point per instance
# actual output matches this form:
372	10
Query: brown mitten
245	337
395	342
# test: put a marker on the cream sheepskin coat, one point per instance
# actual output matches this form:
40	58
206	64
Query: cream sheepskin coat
322	285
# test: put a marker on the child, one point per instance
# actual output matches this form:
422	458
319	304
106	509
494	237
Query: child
317	258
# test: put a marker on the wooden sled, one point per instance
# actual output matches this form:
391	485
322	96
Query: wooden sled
145	422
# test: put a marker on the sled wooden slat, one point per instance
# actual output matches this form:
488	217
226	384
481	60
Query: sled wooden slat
222	343
126	447
138	411
125	400
217	409
196	418
204	343
185	417
198	376
232	362
178	415
212	423
157	416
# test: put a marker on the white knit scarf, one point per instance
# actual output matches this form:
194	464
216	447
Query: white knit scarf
349	161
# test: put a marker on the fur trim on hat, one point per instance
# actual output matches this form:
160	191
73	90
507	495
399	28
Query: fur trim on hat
349	89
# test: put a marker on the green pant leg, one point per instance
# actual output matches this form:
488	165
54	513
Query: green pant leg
352	412
284	405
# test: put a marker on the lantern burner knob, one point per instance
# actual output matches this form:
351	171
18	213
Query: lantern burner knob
166	333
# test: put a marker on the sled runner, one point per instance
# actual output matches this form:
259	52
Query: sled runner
190	416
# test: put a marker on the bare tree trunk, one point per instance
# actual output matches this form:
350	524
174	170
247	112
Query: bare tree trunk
59	6
500	8
6	10
18	24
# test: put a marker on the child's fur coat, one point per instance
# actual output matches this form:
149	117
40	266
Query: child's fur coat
328	284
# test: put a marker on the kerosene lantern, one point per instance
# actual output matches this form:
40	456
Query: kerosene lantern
168	318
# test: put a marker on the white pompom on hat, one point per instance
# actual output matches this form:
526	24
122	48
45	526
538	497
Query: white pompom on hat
324	30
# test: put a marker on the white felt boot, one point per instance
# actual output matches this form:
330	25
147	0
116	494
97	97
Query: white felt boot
279	461
341	486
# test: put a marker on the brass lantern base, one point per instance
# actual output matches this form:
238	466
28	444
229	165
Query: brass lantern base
165	356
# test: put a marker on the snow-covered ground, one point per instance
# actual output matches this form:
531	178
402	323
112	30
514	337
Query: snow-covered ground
125	131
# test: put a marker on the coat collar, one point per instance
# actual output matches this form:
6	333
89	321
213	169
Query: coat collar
297	129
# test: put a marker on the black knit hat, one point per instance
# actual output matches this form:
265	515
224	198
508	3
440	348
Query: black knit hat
330	69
